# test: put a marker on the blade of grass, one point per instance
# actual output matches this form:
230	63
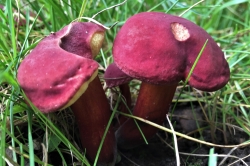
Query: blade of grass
21	157
53	19
27	16
83	7
106	130
36	7
30	139
137	125
173	5
212	160
26	40
3	28
14	156
12	28
3	138
189	75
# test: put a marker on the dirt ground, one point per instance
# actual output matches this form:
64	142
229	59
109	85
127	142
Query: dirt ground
157	153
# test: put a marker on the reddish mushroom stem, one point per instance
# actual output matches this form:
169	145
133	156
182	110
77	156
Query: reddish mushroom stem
125	91
87	110
152	104
115	77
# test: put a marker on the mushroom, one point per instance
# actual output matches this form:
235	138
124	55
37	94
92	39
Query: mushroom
55	76
115	77
160	49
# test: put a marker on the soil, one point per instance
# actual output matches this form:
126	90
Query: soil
157	153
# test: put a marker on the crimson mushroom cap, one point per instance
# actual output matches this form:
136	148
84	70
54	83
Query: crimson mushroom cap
160	48
57	85
114	76
86	36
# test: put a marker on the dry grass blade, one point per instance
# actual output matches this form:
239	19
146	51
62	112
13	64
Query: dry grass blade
183	135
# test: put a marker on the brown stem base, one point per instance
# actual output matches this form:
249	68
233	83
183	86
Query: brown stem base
152	104
92	114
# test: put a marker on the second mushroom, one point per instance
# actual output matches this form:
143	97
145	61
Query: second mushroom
160	49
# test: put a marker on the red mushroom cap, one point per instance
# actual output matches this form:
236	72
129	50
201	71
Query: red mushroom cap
84	39
114	76
53	78
160	48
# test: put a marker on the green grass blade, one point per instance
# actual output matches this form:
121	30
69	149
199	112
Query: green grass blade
83	7
106	130
12	129
212	158
26	39
30	139
12	28
189	74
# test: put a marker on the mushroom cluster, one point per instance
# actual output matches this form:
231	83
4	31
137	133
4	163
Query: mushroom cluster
160	49
157	48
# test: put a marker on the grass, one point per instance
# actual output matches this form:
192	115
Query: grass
226	110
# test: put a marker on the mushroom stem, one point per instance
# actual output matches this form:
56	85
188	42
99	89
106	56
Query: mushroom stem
92	114
152	104
125	91
116	77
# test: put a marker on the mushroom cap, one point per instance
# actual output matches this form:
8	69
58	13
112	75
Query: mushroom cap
161	49
84	39
53	78
114	76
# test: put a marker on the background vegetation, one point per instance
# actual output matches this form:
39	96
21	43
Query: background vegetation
27	136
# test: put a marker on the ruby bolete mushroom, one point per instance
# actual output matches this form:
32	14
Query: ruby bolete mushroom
160	49
56	75
115	77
